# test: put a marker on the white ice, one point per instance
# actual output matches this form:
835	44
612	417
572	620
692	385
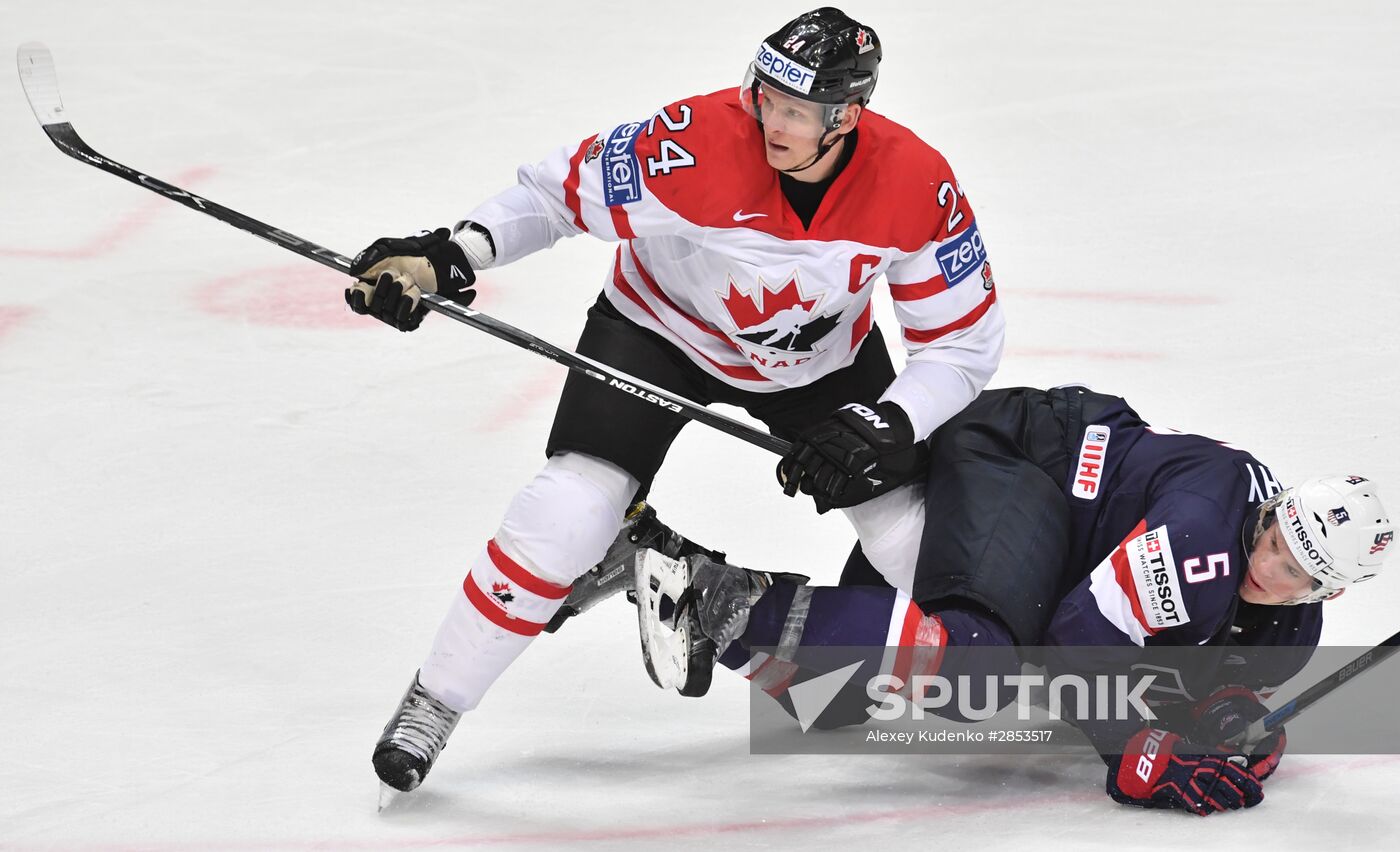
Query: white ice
231	512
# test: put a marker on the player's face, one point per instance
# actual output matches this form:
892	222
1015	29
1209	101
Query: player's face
1274	576
792	130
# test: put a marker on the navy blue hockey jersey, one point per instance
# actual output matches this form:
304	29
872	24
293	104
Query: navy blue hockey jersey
1157	531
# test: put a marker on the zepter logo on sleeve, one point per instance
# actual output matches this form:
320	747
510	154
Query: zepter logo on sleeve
622	179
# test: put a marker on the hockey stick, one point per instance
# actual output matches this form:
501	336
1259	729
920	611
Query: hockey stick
1263	728
40	82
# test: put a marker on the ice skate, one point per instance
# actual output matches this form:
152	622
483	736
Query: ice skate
689	610
641	529
412	740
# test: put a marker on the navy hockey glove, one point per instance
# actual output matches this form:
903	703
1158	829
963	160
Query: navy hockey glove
395	272
1228	712
857	454
1161	770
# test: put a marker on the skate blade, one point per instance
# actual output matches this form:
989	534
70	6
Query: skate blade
664	644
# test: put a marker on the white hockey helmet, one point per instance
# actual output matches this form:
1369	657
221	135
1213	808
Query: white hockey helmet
1337	529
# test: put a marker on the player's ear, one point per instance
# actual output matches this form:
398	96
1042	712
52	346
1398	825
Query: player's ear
850	117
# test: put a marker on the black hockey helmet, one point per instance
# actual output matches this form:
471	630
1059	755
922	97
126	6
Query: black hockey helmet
822	56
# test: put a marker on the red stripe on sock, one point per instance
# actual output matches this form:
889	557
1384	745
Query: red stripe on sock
922	642
521	577
904	657
773	676
489	607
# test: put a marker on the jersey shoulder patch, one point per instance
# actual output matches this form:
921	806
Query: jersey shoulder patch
1138	588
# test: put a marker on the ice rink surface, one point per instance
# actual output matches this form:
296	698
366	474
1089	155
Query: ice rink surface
232	513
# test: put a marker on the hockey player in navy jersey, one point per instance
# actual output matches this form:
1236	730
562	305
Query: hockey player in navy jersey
1060	519
752	226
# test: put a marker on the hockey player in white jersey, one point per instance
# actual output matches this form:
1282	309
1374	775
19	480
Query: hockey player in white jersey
752	225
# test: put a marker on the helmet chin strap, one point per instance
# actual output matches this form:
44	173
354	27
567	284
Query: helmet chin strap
823	148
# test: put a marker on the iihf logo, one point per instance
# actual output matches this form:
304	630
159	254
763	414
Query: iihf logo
777	319
1338	516
501	592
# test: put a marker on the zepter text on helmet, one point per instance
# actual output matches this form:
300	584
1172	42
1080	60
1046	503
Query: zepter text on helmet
786	71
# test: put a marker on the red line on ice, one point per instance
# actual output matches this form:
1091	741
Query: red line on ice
1101	354
119	231
520	401
617	834
1142	298
1088	794
291	295
12	317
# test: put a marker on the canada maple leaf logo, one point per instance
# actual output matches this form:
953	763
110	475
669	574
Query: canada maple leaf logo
778	319
501	592
747	311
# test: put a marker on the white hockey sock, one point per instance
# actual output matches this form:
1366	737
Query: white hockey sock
501	608
555	529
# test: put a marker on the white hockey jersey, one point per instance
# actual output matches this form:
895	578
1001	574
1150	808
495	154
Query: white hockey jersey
713	258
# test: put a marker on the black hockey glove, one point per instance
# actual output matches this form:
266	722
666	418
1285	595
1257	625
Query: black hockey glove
1227	713
395	272
857	454
1159	769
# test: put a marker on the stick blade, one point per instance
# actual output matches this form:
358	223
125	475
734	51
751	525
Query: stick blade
387	795
40	82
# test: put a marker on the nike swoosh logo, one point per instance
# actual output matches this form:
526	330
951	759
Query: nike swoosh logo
741	216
